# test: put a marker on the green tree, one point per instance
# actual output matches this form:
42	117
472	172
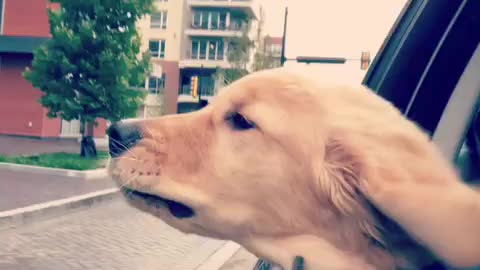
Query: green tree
263	58
91	67
240	50
238	55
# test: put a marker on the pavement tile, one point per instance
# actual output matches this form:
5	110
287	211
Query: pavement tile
109	236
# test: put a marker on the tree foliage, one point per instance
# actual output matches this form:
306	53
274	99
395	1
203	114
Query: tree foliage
239	53
88	68
238	56
263	58
92	63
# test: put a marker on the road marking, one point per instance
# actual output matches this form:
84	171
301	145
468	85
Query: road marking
40	206
220	257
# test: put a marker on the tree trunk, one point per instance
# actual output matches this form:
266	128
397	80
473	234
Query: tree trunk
87	145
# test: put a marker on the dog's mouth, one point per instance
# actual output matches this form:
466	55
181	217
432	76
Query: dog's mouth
177	209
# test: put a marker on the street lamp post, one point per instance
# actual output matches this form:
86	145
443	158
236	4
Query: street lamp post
283	59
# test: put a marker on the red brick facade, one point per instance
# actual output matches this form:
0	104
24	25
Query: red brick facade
172	72
20	112
26	18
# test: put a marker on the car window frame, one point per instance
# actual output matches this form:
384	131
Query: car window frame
425	34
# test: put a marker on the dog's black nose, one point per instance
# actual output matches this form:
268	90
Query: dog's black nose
122	136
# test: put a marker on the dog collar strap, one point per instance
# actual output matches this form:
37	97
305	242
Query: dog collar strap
298	264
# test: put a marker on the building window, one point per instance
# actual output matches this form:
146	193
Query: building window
212	50
274	49
195	46
199	49
159	20
223	21
157	48
204	20
208	49
220	50
237	23
203	49
164	20
213	20
197	20
156	85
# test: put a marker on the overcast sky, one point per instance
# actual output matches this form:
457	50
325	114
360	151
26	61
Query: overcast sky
333	28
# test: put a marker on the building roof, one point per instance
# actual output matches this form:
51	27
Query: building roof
273	40
17	44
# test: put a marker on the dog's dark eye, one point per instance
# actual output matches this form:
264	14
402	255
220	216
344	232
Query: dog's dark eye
239	122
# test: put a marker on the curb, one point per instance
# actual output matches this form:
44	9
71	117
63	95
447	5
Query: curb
90	174
220	257
26	215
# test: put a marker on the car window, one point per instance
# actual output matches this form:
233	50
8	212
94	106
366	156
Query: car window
458	130
428	68
468	159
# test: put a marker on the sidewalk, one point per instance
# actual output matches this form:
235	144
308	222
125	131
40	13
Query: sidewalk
20	189
241	260
14	146
111	236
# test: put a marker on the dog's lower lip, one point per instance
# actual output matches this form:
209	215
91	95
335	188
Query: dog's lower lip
177	209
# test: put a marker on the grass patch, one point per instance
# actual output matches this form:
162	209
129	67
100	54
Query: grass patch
71	161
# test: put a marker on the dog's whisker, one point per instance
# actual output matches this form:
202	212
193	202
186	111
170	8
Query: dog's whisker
133	176
156	145
123	146
129	178
127	182
126	158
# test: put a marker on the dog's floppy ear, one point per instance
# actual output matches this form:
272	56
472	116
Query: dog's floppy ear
443	216
340	178
440	212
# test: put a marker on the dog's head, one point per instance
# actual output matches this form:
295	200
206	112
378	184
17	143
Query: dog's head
267	158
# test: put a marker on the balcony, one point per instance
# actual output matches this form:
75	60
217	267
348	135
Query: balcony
204	61
185	95
233	30
243	5
216	23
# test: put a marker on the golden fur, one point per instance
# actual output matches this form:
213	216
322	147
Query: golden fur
331	173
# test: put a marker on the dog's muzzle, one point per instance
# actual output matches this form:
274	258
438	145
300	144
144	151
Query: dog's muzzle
177	209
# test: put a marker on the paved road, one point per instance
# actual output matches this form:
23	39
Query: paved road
109	236
20	189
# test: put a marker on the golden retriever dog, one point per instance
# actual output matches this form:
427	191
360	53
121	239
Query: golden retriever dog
287	167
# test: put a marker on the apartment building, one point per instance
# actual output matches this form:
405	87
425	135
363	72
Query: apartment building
162	35
187	39
273	48
23	27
